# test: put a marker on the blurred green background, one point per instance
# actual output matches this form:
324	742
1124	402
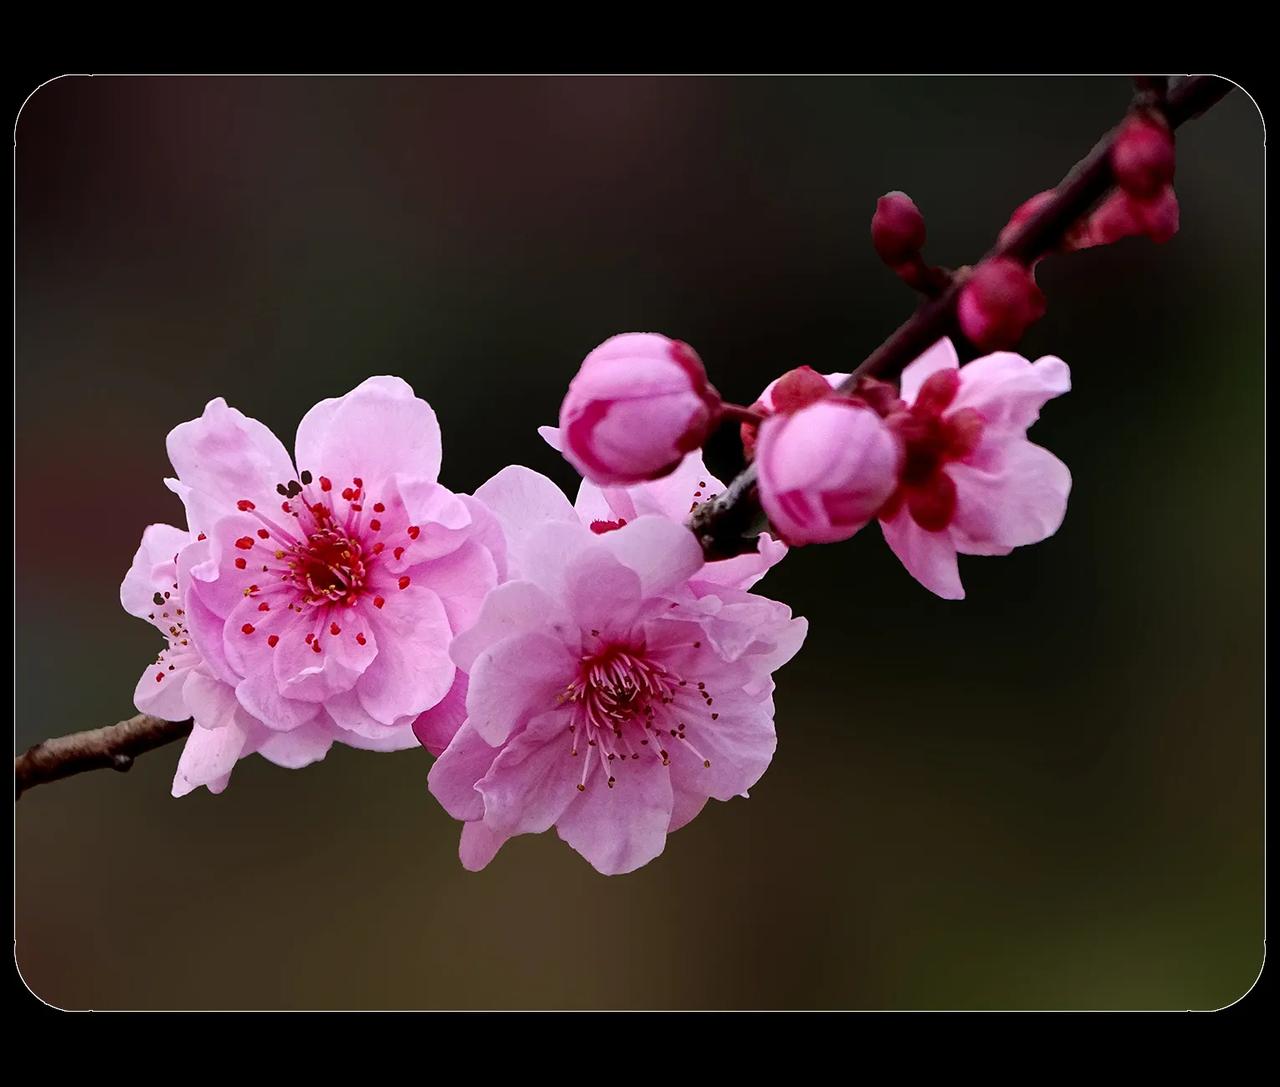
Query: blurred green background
1047	796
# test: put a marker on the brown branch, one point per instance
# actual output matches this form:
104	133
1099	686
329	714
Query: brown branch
114	747
728	524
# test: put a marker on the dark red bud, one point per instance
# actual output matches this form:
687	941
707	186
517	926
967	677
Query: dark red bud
799	388
998	303
897	229
1142	156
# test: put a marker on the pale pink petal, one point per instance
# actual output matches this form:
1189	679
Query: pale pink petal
1009	391
396	739
1018	497
546	553
534	778
685	807
159	690
435	728
743	571
303	673
608	504
551	435
226	456
663	553
518	607
378	429
521	499
260	696
412	670
479	845
621	828
154	570
461	579
930	557
515	680
453	776
602	595
209	701
208	757
941	356
296	749
739	745
349	714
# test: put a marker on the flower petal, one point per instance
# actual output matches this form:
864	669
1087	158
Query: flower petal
479	845
534	778
209	757
1009	391
941	356
621	828
154	570
225	456
1015	498
663	553
930	557
435	728
518	607
412	670
513	681
376	430
453	776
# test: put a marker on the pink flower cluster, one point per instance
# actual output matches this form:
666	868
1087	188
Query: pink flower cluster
946	468
577	666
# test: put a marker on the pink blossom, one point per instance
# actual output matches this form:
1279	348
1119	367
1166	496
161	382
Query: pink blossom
971	483
825	470
638	403
317	604
613	688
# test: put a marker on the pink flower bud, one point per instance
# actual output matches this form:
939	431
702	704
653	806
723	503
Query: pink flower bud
637	405
794	390
825	470
998	304
1142	157
1122	215
897	228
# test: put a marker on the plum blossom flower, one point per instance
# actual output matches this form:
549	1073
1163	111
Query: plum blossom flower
312	605
825	470
638	403
971	482
613	689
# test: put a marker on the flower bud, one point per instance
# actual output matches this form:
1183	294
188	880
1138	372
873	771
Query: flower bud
825	470
897	228
637	405
998	303
1142	156
1122	215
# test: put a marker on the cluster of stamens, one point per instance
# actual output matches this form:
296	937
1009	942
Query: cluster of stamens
625	705
171	618
321	558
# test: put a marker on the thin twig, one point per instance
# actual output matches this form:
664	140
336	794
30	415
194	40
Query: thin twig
728	524
111	748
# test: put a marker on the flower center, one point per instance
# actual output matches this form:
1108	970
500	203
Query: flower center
930	441
322	554
625	704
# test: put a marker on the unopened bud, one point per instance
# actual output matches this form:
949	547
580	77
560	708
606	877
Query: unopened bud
897	229
998	304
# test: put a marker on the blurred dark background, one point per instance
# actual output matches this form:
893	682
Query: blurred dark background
1047	796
